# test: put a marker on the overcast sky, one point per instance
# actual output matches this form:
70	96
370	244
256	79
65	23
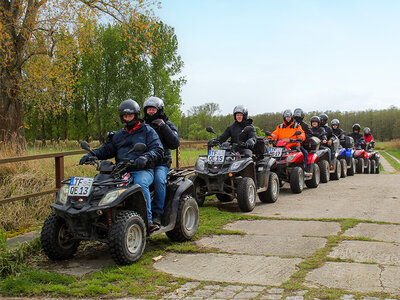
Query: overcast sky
272	55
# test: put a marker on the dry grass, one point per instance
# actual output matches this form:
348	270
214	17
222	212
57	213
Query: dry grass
391	145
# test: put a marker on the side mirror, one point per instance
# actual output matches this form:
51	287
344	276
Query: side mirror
267	133
210	129
85	146
138	147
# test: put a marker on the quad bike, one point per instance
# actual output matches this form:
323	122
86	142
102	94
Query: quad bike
229	174
373	157
290	165
334	170
345	156
111	208
363	159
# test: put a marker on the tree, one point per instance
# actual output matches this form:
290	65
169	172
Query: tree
23	21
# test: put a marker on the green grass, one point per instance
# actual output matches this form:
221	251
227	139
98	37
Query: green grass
395	153
395	164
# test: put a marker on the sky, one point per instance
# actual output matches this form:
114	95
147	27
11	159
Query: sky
272	55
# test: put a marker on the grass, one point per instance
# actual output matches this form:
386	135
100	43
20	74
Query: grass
395	164
394	152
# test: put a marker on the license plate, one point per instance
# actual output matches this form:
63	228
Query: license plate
216	156
275	152
80	186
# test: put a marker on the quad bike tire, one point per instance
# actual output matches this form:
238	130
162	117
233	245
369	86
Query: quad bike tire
199	197
127	238
367	167
246	194
338	168
316	177
352	170
55	239
378	167
187	220
272	193
324	167
343	166
360	165
224	198
373	166
297	180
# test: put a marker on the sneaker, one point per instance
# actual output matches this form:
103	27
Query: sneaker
153	227
157	219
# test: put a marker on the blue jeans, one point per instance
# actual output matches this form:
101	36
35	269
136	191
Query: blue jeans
160	177
145	178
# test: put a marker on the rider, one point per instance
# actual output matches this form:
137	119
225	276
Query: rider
339	132
241	132
287	130
319	132
329	134
358	138
135	131
155	116
298	116
367	135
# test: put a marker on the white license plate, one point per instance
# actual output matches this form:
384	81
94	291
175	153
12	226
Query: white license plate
216	156
80	186
275	152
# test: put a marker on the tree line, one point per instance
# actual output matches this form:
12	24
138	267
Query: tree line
385	123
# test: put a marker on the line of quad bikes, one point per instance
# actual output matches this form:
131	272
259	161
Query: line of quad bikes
111	208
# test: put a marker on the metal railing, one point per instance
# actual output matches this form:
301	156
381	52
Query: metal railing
59	167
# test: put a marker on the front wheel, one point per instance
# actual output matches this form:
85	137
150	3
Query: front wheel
316	176
297	180
336	175
56	239
360	165
197	185
367	167
324	167
127	238
246	194
378	167
343	166
187	220
352	168
373	166
272	193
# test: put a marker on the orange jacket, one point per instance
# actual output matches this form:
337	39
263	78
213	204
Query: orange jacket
284	131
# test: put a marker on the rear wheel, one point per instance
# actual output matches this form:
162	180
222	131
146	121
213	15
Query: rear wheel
272	193
127	238
297	180
373	166
187	220
360	165
352	168
367	166
224	198
56	239
343	166
316	177
336	175
246	194
324	167
197	185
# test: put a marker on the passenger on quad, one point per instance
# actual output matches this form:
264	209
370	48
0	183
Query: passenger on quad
155	116
339	132
319	132
367	135
329	135
241	132
135	131
298	116
358	138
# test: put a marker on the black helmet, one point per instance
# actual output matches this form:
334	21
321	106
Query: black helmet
298	114
335	122
367	131
356	126
129	107
153	102
240	109
324	119
315	119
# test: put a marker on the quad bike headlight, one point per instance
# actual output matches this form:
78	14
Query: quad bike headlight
235	165
200	164
110	197
62	194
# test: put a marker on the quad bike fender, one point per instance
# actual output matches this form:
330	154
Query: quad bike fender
312	158
247	169
323	154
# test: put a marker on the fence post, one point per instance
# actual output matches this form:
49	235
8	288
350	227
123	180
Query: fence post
59	170
178	157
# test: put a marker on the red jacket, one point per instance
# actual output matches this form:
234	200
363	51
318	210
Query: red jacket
368	138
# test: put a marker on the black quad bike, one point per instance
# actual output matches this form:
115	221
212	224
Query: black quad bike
111	208
375	165
229	175
332	171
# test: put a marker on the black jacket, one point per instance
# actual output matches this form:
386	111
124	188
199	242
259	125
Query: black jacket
237	134
358	138
168	135
306	129
329	133
319	132
339	132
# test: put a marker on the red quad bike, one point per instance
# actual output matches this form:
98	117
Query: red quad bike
290	166
363	159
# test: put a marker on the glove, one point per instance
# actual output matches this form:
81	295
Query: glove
158	122
242	145
86	158
299	139
141	162
213	142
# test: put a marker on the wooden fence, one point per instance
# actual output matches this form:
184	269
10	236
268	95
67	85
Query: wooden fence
59	167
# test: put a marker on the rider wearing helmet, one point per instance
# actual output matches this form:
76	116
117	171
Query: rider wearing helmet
134	131
319	132
241	132
298	116
367	135
357	136
339	132
155	116
329	134
287	130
